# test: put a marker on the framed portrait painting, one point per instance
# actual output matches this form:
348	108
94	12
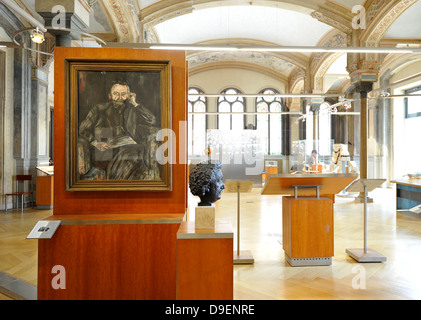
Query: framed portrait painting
115	112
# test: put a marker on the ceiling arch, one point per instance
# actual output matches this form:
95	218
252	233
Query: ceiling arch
261	59
297	59
263	23
239	65
276	25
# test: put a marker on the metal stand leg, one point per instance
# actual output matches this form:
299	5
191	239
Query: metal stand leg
241	257
365	219
365	255
238	221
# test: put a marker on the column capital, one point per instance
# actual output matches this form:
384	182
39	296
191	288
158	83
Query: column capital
315	108
331	100
363	71
361	87
73	14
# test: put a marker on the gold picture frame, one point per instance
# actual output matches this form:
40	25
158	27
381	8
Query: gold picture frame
115	112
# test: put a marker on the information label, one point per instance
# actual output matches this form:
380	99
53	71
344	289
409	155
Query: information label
44	230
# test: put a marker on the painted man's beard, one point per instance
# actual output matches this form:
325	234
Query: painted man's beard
118	103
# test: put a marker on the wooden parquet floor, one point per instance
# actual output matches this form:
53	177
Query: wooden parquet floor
394	234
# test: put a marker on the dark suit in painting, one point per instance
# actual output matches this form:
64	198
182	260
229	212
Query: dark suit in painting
130	134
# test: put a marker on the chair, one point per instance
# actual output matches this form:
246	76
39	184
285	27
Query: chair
20	179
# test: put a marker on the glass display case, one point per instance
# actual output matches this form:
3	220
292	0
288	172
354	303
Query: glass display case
301	158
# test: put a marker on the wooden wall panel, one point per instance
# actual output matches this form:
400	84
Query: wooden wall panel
119	202
112	262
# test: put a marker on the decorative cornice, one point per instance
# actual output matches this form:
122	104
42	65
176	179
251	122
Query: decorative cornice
256	58
164	9
334	38
297	74
155	14
124	19
381	22
339	19
298	59
238	65
318	77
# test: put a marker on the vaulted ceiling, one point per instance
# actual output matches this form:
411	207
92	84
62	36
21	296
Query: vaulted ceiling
258	22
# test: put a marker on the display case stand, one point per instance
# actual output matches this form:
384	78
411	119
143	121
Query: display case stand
365	254
240	257
307	220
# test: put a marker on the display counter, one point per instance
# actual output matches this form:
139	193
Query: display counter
408	193
307	215
45	187
111	257
45	192
205	262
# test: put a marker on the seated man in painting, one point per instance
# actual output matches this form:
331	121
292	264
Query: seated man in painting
117	139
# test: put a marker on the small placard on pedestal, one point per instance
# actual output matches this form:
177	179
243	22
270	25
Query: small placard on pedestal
205	217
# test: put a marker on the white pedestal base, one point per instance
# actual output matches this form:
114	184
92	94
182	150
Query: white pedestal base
369	256
245	257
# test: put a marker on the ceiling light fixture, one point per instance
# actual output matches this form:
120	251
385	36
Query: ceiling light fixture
300	49
37	36
36	30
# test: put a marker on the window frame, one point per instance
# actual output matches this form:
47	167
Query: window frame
268	113
192	113
242	101
406	103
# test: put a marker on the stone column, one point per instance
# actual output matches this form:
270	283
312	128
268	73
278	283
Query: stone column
286	132
338	128
69	14
315	108
362	88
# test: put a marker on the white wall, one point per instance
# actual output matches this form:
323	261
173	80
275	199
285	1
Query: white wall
407	132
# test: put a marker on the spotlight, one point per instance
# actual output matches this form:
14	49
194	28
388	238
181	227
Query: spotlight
37	36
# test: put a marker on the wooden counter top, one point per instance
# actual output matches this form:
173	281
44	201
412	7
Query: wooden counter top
330	183
223	229
98	219
408	182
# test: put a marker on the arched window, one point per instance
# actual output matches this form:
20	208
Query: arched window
269	122
231	104
197	122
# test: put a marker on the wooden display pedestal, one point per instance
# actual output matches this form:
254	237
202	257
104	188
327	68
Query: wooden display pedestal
118	240
308	231
110	257
307	220
204	262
